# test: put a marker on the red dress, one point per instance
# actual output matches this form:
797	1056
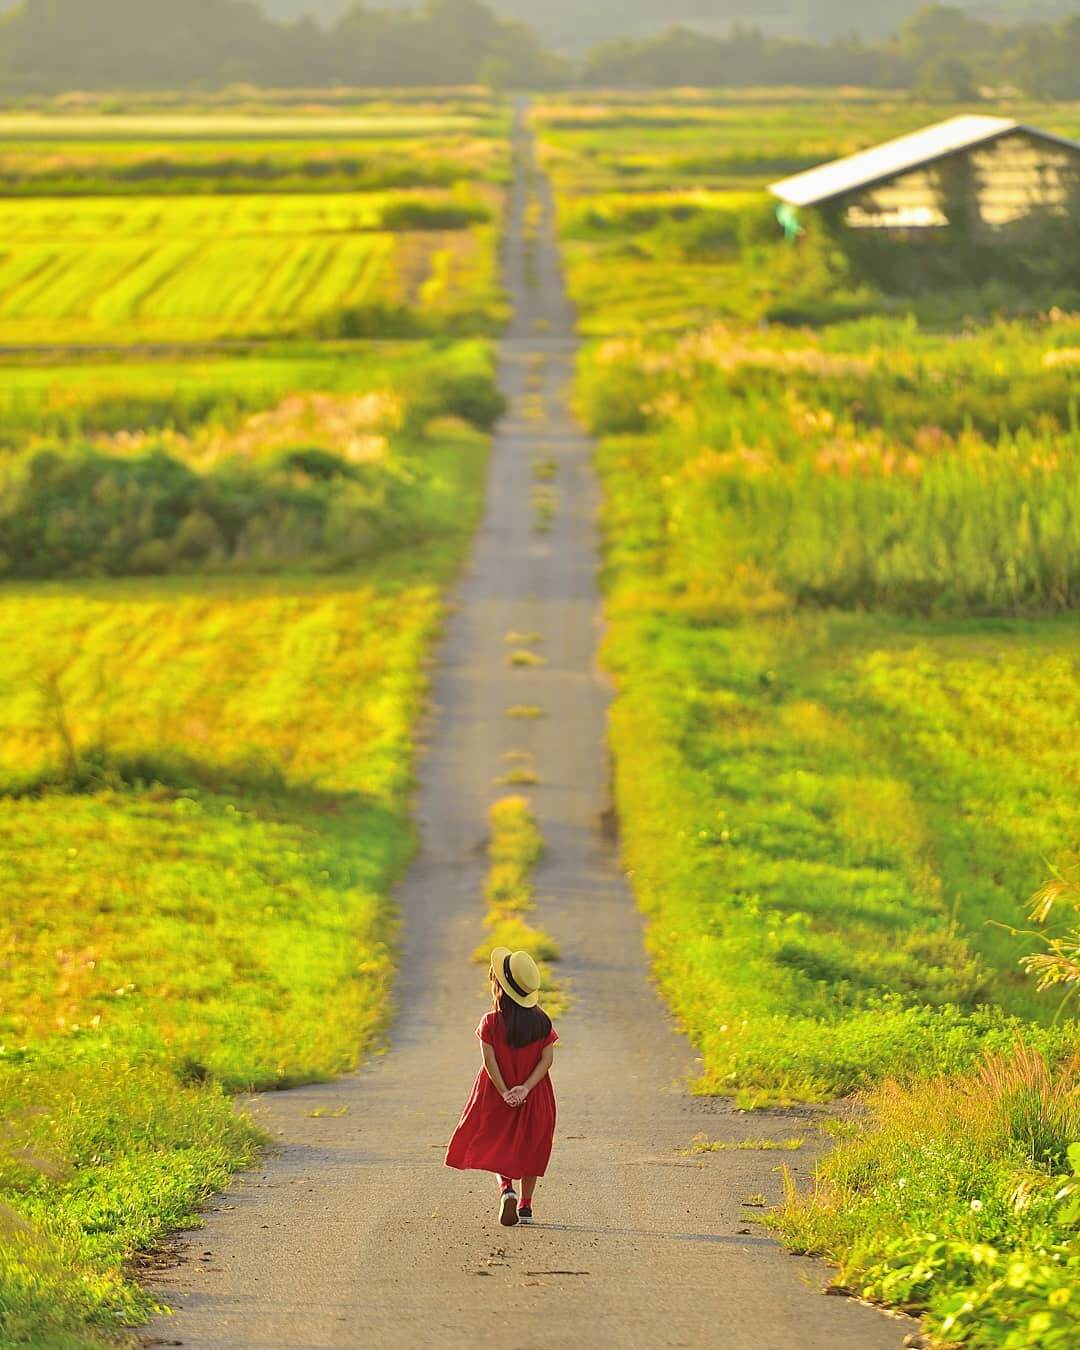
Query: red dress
493	1137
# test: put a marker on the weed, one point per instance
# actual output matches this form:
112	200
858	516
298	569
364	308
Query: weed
522	656
515	848
702	1144
521	776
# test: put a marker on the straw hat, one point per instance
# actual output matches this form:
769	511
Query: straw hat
517	975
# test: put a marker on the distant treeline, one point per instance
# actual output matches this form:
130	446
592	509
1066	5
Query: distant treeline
577	26
48	46
53	45
942	52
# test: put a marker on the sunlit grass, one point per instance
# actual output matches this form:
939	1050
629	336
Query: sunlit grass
524	657
515	848
842	570
207	789
958	1198
703	1144
521	775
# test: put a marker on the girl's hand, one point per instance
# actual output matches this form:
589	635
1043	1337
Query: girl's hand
509	1098
516	1095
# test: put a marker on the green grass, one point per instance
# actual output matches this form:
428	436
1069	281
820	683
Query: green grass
205	784
128	401
515	847
97	127
821	816
703	1144
960	1200
667	224
320	479
53	167
841	566
208	800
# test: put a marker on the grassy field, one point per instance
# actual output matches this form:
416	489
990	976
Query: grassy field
126	403
200	773
80	146
842	570
49	160
261	465
204	781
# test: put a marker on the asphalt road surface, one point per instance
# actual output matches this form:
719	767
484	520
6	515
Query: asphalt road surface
353	1233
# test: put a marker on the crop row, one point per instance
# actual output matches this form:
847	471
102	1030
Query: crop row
129	288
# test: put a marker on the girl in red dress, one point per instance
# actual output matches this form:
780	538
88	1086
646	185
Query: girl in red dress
509	1121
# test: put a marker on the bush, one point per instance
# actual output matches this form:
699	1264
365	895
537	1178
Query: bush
80	512
468	392
416	213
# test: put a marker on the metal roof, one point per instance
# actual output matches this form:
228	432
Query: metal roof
867	167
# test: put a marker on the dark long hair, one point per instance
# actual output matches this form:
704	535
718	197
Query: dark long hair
522	1026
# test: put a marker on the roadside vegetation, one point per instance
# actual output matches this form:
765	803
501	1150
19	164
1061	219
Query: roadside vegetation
198	775
222	579
319	478
515	847
842	576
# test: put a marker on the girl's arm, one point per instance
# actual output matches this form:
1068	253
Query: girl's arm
543	1067
491	1064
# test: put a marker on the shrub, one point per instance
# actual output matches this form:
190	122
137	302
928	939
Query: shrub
418	213
79	512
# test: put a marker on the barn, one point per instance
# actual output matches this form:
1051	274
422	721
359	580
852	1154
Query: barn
984	176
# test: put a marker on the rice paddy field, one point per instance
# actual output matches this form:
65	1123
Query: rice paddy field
146	269
842	570
171	226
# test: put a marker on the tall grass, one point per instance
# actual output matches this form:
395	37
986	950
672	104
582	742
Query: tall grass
842	747
774	463
323	480
126	404
959	1200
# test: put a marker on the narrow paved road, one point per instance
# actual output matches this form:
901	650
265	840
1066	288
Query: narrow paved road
355	1235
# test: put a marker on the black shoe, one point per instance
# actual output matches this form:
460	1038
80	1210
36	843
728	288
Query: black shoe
508	1209
525	1214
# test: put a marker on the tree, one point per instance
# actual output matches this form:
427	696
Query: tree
948	78
941	30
